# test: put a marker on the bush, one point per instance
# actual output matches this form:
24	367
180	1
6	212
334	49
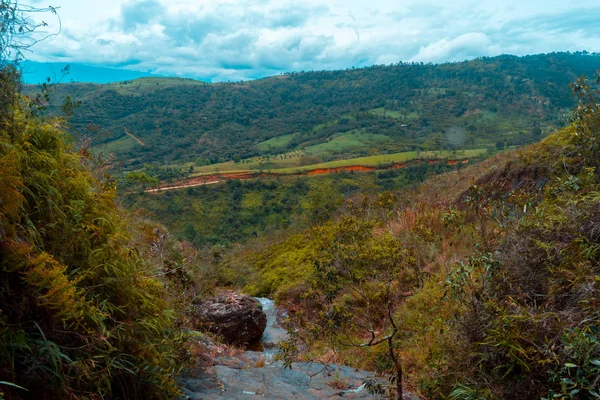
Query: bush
81	314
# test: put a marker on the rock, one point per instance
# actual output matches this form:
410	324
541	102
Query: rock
304	381
238	319
240	375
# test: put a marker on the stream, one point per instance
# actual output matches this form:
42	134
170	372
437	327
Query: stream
254	373
273	334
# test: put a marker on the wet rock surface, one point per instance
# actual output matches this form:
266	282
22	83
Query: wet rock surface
238	319
246	380
230	373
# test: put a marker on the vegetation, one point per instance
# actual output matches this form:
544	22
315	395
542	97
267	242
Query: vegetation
83	315
89	295
485	103
530	316
508	306
296	163
236	210
357	280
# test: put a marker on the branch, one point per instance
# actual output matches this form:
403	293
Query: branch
373	342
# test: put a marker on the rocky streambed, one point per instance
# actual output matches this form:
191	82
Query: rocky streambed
253	372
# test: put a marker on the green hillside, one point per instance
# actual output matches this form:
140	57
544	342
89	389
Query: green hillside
481	284
488	102
238	210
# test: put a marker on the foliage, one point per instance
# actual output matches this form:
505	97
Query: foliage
240	210
356	281
332	114
578	378
17	30
533	323
509	308
586	118
82	314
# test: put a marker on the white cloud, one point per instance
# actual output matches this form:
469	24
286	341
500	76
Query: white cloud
242	39
465	46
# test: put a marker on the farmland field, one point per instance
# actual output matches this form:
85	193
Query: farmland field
294	163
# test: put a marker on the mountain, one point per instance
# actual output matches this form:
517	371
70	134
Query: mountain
37	72
326	115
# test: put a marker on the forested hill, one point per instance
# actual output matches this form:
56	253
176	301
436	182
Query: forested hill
499	101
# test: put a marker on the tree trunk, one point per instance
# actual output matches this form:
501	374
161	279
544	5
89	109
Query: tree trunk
397	366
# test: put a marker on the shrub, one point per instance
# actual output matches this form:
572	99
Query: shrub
81	314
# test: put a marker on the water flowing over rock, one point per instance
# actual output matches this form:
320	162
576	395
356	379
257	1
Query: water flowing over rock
239	375
238	319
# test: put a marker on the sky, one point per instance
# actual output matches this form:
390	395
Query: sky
240	39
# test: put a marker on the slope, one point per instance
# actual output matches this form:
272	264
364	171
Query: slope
327	115
509	261
83	312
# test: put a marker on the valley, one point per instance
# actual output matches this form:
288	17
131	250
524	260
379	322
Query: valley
402	231
170	134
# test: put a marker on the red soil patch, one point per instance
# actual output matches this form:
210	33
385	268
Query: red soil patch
216	178
350	168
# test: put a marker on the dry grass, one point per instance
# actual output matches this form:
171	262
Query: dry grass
449	186
260	362
339	383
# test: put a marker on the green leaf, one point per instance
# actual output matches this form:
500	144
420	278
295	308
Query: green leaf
571	365
13	385
568	381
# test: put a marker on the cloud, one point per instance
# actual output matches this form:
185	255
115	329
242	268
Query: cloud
580	20
245	39
463	47
140	13
290	18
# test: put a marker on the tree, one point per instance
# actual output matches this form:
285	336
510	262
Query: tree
17	34
189	232
586	118
536	130
358	280
140	180
17	29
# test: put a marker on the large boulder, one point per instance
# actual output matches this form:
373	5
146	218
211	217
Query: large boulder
238	319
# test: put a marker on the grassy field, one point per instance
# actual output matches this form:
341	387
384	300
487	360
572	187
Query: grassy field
387	159
291	159
276	142
345	142
136	85
294	165
121	144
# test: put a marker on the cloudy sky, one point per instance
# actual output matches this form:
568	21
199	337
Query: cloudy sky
239	39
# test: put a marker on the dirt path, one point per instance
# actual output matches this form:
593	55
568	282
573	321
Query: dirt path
182	186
